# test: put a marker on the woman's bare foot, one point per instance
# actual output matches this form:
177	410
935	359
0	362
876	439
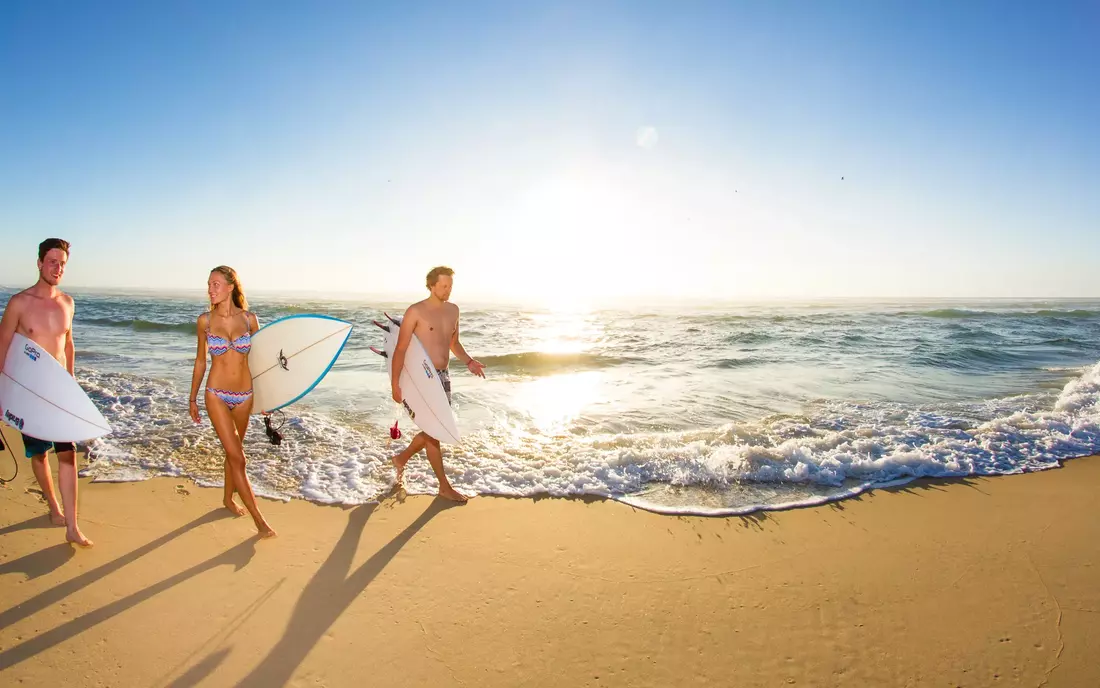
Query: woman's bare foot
76	537
57	519
234	507
452	494
265	530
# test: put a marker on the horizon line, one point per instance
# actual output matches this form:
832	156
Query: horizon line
342	295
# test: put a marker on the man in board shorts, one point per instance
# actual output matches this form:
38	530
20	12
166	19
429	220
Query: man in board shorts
44	315
434	321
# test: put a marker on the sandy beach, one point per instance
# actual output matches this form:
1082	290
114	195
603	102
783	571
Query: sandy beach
764	343
962	583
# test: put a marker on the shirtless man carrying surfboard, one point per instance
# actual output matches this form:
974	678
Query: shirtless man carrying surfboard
44	315
434	321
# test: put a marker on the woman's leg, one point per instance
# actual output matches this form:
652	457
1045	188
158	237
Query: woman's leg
241	425
225	424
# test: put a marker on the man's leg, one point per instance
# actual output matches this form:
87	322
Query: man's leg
435	458
40	464
37	451
67	480
401	459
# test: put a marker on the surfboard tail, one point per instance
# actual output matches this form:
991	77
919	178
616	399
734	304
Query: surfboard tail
43	400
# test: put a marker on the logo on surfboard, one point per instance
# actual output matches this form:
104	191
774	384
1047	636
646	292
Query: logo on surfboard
32	353
427	369
13	419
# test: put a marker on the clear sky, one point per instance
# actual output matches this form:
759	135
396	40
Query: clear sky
557	151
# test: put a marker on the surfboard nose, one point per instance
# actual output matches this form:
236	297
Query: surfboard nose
291	356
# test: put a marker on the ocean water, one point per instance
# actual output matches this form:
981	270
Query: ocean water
720	409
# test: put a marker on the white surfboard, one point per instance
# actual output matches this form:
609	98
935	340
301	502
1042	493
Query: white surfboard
41	399
422	390
291	355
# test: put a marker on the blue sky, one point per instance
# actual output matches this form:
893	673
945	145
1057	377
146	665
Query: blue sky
557	152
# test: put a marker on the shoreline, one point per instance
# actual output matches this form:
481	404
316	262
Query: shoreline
973	581
628	500
794	432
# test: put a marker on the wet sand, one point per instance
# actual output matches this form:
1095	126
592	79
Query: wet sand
976	582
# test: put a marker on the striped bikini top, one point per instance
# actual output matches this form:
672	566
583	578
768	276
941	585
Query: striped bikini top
220	345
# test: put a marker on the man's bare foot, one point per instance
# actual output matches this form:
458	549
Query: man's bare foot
234	507
57	519
452	494
77	538
399	464
265	530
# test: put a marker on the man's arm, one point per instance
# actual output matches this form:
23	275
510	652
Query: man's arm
70	348
8	326
472	365
408	327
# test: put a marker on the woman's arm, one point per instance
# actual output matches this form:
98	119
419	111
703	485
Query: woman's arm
200	367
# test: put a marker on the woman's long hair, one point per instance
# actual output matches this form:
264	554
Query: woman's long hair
230	276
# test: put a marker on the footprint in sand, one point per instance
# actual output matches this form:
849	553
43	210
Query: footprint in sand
180	489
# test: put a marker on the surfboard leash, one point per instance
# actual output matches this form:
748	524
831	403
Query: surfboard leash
273	434
4	445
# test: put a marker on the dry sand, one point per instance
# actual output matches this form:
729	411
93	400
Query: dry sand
985	582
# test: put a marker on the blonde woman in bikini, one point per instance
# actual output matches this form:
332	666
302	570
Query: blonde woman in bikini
226	332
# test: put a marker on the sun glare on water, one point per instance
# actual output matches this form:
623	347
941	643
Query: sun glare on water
559	331
553	402
560	339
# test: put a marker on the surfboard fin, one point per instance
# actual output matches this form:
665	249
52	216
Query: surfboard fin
379	352
380	325
392	319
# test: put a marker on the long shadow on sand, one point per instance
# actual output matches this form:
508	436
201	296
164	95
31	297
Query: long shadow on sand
329	593
237	557
62	590
39	563
42	521
198	673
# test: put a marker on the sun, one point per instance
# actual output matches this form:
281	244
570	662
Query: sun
572	221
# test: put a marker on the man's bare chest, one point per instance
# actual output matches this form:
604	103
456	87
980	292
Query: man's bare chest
437	328
44	317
